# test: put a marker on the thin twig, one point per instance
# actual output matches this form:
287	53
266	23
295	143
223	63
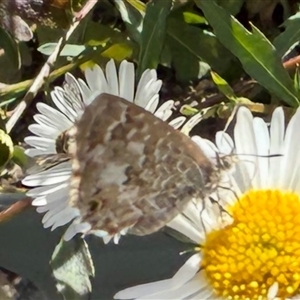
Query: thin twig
45	71
15	209
292	63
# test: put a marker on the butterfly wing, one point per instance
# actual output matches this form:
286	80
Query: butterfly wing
132	170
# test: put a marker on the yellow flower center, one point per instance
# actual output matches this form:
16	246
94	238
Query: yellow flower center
260	250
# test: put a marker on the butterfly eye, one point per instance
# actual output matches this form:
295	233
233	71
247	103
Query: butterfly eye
93	205
63	141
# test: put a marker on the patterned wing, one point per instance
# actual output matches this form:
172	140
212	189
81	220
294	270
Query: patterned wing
132	170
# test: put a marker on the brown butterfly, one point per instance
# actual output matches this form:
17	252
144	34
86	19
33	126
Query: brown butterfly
132	170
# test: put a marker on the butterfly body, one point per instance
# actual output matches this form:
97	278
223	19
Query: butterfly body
132	170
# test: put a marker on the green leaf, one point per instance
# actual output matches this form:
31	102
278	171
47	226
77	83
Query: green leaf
232	6
138	5
72	267
190	45
118	51
19	156
132	17
68	50
193	18
256	53
153	34
6	148
97	34
10	60
223	86
188	110
290	36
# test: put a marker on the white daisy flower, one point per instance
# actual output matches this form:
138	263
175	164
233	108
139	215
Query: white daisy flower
51	187
253	253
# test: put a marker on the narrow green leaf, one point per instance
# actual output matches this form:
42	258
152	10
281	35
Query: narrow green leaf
290	36
72	267
153	34
223	86
256	53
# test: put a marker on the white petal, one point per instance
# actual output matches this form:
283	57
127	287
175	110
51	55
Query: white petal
152	104
47	207
57	174
277	129
206	291
37	152
165	110
75	228
112	78
291	153
148	86
126	80
208	148
273	290
73	89
224	143
39	200
184	274
45	190
96	79
59	99
49	218
191	123
182	225
245	144
44	131
64	217
262	139
181	292
177	122
40	143
44	121
56	118
59	193
86	92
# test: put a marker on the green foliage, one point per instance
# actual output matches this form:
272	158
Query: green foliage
254	50
153	34
289	36
72	267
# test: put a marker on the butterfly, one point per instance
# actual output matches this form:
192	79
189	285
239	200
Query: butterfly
131	170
